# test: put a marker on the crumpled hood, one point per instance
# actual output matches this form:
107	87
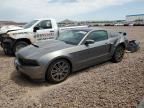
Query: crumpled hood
45	47
5	29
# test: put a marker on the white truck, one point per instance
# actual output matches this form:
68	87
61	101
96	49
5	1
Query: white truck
36	30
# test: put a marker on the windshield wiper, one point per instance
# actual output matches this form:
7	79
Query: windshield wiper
35	45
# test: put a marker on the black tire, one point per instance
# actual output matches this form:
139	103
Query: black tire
19	45
133	47
118	54
7	50
56	72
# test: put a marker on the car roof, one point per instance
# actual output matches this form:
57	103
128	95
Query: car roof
88	29
44	19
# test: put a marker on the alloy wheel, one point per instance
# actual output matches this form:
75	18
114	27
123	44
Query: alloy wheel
60	70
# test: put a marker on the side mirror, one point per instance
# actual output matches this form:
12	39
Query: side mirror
35	29
87	42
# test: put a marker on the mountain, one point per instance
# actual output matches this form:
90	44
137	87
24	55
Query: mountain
11	23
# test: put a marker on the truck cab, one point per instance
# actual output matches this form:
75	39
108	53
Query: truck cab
36	30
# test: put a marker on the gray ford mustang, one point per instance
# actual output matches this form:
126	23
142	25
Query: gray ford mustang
72	50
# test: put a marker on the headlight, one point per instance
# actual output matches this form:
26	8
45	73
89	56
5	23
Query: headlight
27	62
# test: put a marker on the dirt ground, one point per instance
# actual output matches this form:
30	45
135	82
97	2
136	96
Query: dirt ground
107	85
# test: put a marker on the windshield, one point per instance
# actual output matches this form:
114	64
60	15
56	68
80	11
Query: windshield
28	25
72	36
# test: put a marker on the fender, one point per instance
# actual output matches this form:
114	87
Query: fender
120	41
11	42
25	35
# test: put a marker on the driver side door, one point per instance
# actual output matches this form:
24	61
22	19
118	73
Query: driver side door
45	31
99	51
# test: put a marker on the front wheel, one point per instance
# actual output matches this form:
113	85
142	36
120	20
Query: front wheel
118	54
7	49
58	71
19	45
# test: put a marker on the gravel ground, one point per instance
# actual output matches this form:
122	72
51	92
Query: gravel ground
107	85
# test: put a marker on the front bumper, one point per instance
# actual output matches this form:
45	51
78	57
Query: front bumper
34	72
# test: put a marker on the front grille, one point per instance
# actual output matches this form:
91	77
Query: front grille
27	62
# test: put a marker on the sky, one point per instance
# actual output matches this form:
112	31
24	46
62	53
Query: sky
97	10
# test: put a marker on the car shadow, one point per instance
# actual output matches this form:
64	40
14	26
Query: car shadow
95	66
25	81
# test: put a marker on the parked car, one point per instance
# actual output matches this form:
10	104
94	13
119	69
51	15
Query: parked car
72	50
36	30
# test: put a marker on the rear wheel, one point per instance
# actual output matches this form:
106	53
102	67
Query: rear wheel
118	54
58	71
19	45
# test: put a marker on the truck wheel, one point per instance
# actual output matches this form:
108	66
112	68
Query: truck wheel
7	50
118	54
19	45
58	71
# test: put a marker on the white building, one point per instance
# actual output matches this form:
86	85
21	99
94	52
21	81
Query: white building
132	18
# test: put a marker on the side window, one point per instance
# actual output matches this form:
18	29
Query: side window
98	35
46	24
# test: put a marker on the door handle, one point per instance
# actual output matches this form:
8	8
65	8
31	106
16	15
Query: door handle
51	31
